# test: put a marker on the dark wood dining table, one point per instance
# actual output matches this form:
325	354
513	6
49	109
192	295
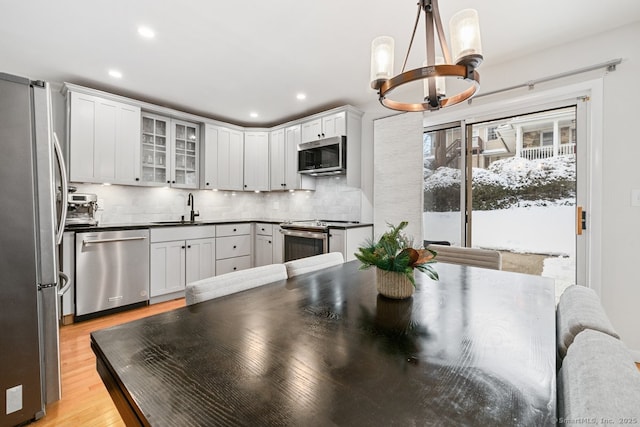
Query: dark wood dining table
476	347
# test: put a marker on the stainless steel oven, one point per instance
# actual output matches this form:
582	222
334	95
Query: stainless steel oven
301	243
307	238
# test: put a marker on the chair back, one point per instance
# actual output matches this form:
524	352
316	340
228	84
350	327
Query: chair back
474	257
230	283
579	308
313	263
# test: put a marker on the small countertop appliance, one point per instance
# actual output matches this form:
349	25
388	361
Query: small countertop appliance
82	209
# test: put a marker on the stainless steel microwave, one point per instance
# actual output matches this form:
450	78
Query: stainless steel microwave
323	157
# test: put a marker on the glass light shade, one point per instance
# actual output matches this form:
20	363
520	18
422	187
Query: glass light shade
381	59
441	86
466	46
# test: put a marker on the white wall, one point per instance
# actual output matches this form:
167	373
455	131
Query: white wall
616	170
398	173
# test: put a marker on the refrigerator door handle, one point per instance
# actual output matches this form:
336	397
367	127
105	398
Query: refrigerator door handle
65	188
64	282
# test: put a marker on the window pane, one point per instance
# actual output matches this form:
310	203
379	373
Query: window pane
442	174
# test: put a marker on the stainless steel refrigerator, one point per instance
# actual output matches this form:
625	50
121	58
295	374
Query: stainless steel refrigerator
32	209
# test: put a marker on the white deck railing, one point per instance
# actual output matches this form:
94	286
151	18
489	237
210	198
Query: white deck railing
545	152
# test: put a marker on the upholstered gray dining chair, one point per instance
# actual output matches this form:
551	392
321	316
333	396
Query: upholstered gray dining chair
313	263
598	380
230	283
579	308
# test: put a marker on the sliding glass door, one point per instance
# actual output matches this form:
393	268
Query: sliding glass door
511	186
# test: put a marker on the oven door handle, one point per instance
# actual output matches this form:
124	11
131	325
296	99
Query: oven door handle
305	234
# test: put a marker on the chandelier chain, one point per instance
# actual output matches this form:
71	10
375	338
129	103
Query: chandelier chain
415	27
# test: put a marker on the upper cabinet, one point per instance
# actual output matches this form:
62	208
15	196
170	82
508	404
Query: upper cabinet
284	161
113	139
327	126
103	140
256	161
343	121
223	158
169	151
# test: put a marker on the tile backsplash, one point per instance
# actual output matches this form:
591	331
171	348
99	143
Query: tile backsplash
332	200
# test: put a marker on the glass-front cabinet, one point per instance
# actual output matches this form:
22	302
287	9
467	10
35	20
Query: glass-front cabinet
155	143
169	151
185	154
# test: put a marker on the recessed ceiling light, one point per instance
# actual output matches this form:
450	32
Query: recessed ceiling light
115	74
253	115
146	32
301	96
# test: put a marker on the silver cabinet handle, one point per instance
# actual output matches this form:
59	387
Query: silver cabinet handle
119	239
65	187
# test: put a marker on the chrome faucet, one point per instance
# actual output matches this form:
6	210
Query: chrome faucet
194	213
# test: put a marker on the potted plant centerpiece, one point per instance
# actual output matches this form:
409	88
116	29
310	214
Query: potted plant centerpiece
395	260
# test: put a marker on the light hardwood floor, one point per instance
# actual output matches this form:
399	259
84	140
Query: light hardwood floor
85	400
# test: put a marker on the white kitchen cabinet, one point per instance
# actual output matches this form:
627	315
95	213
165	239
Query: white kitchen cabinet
223	158
167	271
103	140
180	255
278	245
169	151
284	161
256	161
327	126
233	247
347	241
277	161
185	151
263	244
155	141
201	259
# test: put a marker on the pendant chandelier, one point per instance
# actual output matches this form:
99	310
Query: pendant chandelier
466	52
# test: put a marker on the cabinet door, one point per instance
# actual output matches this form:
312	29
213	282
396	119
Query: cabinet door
103	137
82	124
230	159
311	130
277	162
201	259
334	125
264	250
294	180
185	154
156	158
167	267
337	241
278	246
128	166
210	159
256	161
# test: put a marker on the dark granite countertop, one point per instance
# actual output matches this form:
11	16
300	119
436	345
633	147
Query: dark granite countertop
169	223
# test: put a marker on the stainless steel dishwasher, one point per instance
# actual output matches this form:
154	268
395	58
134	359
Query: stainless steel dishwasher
112	270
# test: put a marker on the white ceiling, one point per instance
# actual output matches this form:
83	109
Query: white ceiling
225	59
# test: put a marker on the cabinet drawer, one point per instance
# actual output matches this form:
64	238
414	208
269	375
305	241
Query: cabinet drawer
264	229
233	246
233	229
165	234
233	264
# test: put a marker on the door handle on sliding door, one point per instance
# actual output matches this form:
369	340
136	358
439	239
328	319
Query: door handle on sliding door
581	220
